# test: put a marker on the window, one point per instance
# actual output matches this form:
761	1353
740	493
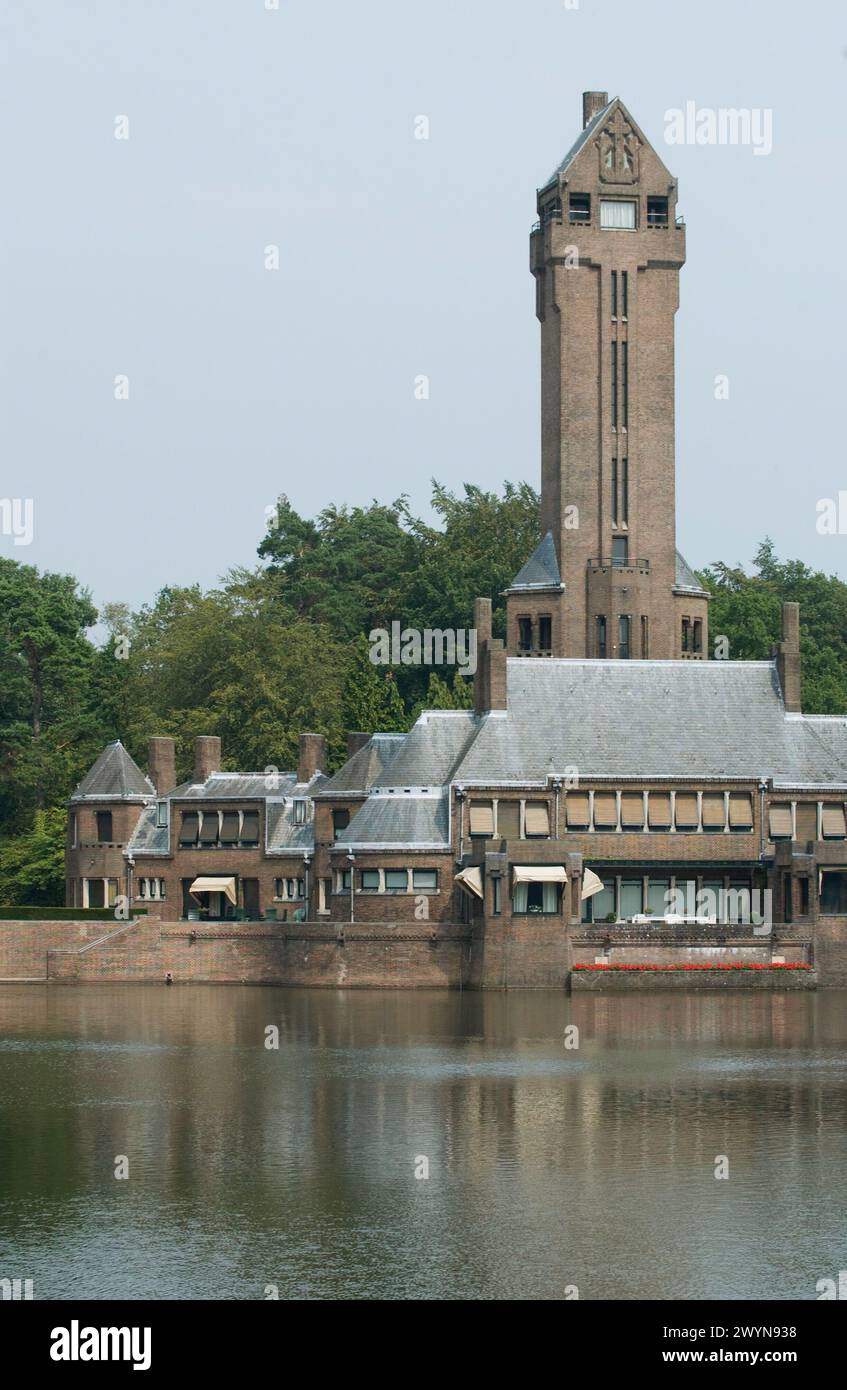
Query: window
623	637
73	832
509	819
625	493
161	813
659	811
579	207
614	492
686	633
779	821
396	880
617	214
697	636
714	811
601	908
425	880
497	893
370	880
250	829
614	294
804	897
96	892
625	375
299	812
153	887
806	821
545	633
605	811
536	819
162	889
551	212
685	810
632	811
340	821
645	636
189	829
104	827
230	828
834	893
620	550
657	212
657	896
344	879
632	898
601	637
482	818
210	829
624	294
614	386
142	888
577	811
833	823
740	811
535	898
525	634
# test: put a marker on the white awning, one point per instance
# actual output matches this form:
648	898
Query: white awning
215	885
539	873
471	880
591	884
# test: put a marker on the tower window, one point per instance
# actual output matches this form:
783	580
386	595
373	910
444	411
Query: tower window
545	632
614	492
625	375
614	386
579	207
623	637
657	212
645	636
686	634
625	493
617	214
340	821
601	637
104	827
624	293
525	634
614	294
697	635
620	550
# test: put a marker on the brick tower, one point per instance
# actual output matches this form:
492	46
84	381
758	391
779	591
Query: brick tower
606	580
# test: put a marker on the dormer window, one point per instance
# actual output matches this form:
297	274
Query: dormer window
579	207
617	214
299	812
161	813
657	212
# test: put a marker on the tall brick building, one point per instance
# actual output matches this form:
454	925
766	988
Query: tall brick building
607	769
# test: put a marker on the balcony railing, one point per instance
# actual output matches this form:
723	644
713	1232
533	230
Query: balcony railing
615	562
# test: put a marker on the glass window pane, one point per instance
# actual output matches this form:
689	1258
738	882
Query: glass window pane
657	896
632	897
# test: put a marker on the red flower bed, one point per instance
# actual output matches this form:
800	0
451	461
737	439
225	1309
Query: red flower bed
718	965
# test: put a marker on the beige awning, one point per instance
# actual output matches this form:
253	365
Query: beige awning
833	823
539	873
537	818
779	822
471	880
591	884
216	885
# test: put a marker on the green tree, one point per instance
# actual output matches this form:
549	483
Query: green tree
32	864
370	698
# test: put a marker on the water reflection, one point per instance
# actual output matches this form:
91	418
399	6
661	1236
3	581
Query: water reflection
295	1166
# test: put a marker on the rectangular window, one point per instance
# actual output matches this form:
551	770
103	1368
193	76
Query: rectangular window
535	898
536	819
617	214
806	816
614	294
579	207
620	550
340	821
577	808
657	896
482	818
396	880
659	811
602	905
104	827
509	819
369	880
686	633
740	811
605	811
189	829
623	637
210	829
614	386
250	829
112	890
833	823
657	212
497	893
614	492
714	811
804	897
344	880
425	880
645	636
625	492
624	294
632	898
299	812
154	887
230	828
685	810
545	633
73	830
632	811
525	634
96	892
834	893
161	813
625	384
601	637
142	888
779	821
697	636
162	889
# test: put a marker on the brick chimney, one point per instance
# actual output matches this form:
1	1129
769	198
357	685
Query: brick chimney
207	756
355	742
489	686
788	658
161	764
592	102
312	756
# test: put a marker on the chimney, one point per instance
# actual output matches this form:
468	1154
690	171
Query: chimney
788	658
312	756
207	756
161	764
355	742
592	102
489	685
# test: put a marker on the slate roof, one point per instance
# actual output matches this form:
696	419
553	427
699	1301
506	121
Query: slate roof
664	719
114	775
361	771
396	820
541	570
686	578
430	751
581	140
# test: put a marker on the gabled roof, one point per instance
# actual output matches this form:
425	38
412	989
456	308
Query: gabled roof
114	776
686	578
582	140
541	570
359	773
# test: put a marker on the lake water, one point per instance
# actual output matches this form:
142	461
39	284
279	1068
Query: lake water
548	1166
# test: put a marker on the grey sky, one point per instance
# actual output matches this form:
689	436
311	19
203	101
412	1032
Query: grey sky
250	127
